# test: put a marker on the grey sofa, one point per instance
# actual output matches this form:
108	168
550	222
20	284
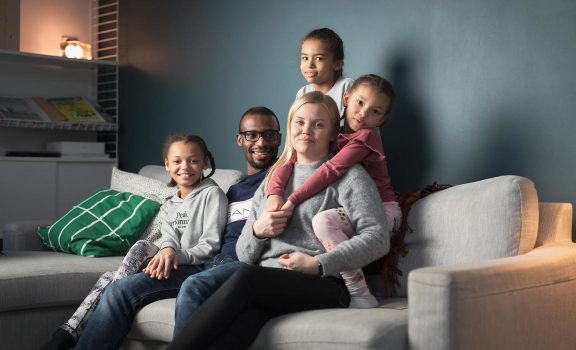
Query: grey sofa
488	268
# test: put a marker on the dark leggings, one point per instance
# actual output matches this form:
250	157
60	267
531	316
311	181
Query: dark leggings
232	317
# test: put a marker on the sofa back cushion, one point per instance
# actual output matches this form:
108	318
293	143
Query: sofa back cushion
489	219
223	177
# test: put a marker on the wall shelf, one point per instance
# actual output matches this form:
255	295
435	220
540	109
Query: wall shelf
58	159
12	123
9	56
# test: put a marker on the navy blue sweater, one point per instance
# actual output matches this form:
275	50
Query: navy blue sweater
240	201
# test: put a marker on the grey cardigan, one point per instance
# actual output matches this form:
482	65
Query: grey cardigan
354	191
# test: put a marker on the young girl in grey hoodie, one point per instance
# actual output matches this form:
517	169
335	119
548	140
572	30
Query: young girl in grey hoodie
192	224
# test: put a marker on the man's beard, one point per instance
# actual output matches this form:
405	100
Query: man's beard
260	165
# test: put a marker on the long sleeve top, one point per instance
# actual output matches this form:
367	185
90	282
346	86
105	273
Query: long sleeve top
363	147
354	191
336	92
240	201
193	226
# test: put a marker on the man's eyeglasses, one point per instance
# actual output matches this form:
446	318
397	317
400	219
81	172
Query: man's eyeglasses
253	136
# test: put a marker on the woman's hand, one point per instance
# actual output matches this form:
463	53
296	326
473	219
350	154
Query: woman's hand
270	224
274	203
161	264
300	262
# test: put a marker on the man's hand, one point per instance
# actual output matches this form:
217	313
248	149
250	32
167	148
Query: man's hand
274	203
270	224
300	262
161	264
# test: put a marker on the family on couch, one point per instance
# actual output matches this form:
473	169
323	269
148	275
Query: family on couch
231	275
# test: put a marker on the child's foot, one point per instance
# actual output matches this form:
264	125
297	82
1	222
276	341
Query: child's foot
365	302
62	340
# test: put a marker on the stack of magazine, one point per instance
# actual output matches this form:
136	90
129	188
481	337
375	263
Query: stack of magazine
66	109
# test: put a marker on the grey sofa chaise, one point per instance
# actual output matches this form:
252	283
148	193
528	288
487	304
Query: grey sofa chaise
488	268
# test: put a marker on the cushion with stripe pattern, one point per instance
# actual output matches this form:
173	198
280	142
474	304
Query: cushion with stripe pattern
106	223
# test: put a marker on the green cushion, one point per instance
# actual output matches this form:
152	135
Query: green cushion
106	223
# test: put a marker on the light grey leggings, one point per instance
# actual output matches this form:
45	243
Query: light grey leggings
136	259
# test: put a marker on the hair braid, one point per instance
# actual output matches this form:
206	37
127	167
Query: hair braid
212	165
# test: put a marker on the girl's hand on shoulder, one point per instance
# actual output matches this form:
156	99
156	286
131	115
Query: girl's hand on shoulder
274	203
162	263
300	262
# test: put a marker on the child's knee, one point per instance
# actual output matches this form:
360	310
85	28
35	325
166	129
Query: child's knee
320	221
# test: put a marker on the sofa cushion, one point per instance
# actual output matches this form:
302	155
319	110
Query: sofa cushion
107	223
489	219
385	327
154	189
44	279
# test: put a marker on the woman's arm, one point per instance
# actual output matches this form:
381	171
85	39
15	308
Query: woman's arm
331	171
248	247
359	197
214	220
260	225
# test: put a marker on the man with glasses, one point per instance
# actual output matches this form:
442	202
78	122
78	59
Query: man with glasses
259	136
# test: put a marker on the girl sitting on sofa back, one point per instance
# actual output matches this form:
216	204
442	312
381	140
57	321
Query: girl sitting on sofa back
192	224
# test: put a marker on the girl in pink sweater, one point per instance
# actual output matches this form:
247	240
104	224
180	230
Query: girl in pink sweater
367	103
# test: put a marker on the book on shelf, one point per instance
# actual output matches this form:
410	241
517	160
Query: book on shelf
76	110
107	117
48	109
21	109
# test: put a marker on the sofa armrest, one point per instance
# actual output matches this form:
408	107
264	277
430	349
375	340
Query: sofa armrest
555	224
521	302
22	235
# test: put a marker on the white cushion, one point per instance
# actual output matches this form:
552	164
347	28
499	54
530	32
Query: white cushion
148	188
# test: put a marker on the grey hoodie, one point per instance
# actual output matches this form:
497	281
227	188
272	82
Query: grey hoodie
193	226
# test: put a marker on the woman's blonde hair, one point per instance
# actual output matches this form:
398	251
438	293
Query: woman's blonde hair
333	113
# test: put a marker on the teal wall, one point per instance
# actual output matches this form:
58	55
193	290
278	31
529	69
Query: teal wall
485	88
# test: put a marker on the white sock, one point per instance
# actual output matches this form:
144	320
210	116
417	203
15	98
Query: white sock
365	302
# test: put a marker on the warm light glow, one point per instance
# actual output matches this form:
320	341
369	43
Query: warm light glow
72	48
73	51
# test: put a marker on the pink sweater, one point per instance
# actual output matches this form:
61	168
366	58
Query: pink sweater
363	146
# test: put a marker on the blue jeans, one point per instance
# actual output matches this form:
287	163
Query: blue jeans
199	287
112	319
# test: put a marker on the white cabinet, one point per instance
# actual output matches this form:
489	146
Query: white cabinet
42	189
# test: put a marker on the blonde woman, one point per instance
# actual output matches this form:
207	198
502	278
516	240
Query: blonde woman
290	270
